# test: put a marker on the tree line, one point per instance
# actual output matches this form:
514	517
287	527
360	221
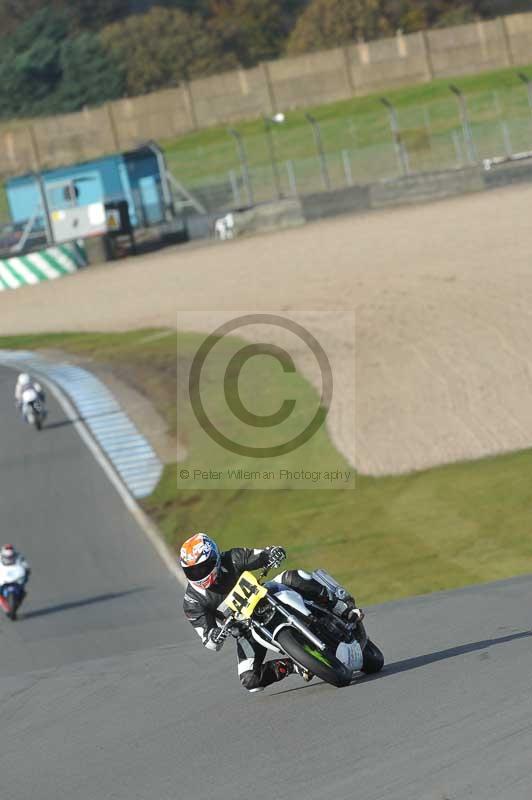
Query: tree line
58	55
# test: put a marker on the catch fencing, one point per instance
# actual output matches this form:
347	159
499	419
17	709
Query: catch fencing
302	156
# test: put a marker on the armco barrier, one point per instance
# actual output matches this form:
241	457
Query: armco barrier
44	265
330	204
418	188
426	186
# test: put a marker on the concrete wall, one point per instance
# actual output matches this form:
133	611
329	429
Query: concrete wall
518	29
388	63
160	115
230	96
467	49
281	85
310	79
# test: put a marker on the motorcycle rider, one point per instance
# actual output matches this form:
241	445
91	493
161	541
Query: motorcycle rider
211	575
8	557
25	382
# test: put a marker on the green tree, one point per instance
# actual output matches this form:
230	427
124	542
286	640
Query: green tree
14	12
162	48
30	63
43	71
457	15
329	23
82	14
251	30
94	14
495	8
90	75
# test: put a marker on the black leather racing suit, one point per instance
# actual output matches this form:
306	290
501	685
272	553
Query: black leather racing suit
200	607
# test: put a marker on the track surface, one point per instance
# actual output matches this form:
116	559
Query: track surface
97	588
106	694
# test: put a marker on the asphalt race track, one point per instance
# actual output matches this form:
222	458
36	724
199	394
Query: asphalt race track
106	693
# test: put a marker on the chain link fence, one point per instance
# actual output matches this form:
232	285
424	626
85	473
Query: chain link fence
299	156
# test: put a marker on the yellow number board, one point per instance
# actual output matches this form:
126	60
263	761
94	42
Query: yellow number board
245	595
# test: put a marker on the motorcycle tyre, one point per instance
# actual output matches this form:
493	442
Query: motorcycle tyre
337	674
373	659
12	603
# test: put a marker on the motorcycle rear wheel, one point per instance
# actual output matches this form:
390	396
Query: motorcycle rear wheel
324	665
12	605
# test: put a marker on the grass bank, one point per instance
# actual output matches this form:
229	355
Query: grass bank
390	537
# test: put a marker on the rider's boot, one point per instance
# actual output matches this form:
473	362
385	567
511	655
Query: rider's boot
285	666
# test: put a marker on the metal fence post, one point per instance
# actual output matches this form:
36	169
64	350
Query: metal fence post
234	187
457	148
321	154
347	167
466	126
400	149
243	163
291	177
528	83
273	159
45	207
506	138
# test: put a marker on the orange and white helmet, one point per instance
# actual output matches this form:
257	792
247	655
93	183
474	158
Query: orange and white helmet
200	560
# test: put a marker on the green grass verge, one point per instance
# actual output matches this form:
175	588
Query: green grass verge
391	537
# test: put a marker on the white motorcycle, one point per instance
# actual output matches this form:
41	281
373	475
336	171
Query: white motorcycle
33	408
280	619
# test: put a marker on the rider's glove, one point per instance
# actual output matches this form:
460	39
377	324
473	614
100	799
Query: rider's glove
275	555
217	637
236	629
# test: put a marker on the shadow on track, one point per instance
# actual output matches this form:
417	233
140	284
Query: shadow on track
441	655
87	601
419	661
80	418
51	425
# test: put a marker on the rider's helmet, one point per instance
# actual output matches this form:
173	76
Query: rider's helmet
7	555
200	560
24	378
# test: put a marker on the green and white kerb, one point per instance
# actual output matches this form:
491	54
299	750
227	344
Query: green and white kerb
44	265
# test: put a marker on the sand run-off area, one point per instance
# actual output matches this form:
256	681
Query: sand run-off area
442	300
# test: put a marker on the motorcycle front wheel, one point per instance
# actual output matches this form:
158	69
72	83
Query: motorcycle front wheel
323	664
373	659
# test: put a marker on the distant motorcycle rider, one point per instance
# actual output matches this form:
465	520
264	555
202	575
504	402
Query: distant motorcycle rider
211	575
8	558
24	383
